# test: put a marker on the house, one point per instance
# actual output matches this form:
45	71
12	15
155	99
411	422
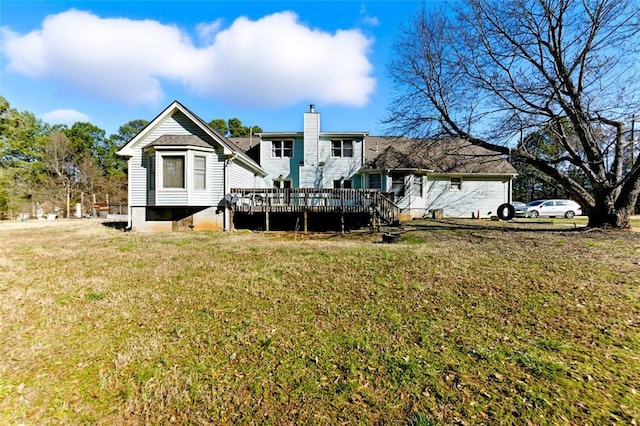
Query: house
421	176
448	175
179	171
184	175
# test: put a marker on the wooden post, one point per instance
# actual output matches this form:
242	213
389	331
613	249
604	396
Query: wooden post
266	219
305	220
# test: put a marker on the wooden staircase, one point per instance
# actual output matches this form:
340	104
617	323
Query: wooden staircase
384	210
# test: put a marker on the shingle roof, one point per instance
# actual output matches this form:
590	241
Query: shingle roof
438	156
245	144
180	140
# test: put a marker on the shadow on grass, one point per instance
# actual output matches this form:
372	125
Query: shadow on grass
528	226
116	224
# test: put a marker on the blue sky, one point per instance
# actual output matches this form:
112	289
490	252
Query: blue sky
264	62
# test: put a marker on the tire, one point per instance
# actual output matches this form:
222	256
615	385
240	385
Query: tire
534	214
570	214
510	210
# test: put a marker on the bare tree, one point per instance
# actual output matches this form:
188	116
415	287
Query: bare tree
61	168
494	72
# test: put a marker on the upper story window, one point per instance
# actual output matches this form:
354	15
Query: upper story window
173	171
199	172
456	183
342	148
281	149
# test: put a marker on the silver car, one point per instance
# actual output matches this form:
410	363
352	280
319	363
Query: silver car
553	208
520	208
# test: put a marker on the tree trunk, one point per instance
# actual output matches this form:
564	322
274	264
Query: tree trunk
68	203
609	217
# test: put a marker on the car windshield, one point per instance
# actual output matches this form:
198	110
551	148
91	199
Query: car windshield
535	203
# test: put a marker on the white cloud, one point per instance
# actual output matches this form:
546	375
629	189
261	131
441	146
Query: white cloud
273	61
367	19
64	116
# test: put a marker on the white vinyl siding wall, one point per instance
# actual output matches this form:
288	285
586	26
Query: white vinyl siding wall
241	177
482	194
177	124
336	168
276	166
137	179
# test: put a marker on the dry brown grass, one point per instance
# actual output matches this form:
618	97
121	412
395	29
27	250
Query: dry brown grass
458	323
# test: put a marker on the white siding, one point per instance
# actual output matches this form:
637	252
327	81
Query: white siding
476	194
411	205
177	124
287	167
216	179
241	177
202	197
311	172
340	167
137	180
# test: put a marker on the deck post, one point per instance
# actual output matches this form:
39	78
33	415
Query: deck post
305	216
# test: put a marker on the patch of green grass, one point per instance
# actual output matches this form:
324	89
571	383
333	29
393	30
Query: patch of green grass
462	322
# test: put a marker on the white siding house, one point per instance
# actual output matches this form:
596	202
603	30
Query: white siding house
311	158
424	176
451	176
180	171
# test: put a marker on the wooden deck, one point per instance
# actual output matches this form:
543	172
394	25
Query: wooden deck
316	200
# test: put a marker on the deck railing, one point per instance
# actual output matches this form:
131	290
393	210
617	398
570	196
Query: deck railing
276	200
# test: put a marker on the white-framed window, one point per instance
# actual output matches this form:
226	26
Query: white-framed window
282	149
282	183
342	148
173	168
456	184
417	185
397	184
375	181
199	172
342	184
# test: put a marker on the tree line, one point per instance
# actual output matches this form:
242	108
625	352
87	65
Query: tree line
48	168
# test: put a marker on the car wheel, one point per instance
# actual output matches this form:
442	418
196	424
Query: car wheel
533	213
569	214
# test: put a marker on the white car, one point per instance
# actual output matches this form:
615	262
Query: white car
557	208
519	207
